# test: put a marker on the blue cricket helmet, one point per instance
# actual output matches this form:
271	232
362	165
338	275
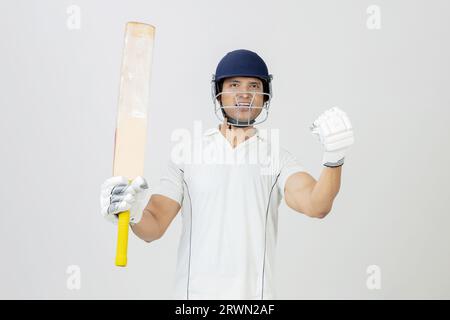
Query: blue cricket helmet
242	63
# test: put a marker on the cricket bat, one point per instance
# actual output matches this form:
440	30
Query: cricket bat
131	129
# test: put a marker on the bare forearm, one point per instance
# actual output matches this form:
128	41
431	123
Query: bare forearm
325	190
148	229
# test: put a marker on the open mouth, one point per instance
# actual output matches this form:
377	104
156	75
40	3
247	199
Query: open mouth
243	105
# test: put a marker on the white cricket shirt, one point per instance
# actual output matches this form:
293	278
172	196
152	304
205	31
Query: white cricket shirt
229	198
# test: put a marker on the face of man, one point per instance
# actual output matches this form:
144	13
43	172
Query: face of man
242	98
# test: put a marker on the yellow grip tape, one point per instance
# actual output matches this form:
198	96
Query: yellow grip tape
122	239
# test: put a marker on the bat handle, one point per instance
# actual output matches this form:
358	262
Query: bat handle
122	239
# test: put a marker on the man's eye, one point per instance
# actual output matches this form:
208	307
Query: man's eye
233	84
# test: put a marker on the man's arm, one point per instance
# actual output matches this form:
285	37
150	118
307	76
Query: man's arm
157	216
314	198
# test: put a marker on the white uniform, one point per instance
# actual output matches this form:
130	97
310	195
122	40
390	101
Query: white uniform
230	217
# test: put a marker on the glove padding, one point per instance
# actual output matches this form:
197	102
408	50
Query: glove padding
335	133
118	195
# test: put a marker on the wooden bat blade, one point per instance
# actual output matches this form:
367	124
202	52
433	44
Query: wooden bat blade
131	129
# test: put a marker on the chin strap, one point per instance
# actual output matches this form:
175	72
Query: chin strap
237	123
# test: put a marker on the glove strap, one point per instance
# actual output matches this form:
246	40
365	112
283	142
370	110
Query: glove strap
334	164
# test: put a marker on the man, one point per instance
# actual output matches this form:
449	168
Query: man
230	208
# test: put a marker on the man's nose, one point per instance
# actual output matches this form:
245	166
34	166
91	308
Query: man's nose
245	94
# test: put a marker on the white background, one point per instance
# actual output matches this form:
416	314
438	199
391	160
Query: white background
58	100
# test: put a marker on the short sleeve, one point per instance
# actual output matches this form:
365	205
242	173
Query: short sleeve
171	183
289	166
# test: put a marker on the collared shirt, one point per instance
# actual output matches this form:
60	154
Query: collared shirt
229	198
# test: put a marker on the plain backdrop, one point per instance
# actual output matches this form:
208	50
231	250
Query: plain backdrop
59	89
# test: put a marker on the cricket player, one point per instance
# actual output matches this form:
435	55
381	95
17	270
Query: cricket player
229	201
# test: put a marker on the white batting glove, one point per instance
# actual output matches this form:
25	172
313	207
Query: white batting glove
118	195
336	135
